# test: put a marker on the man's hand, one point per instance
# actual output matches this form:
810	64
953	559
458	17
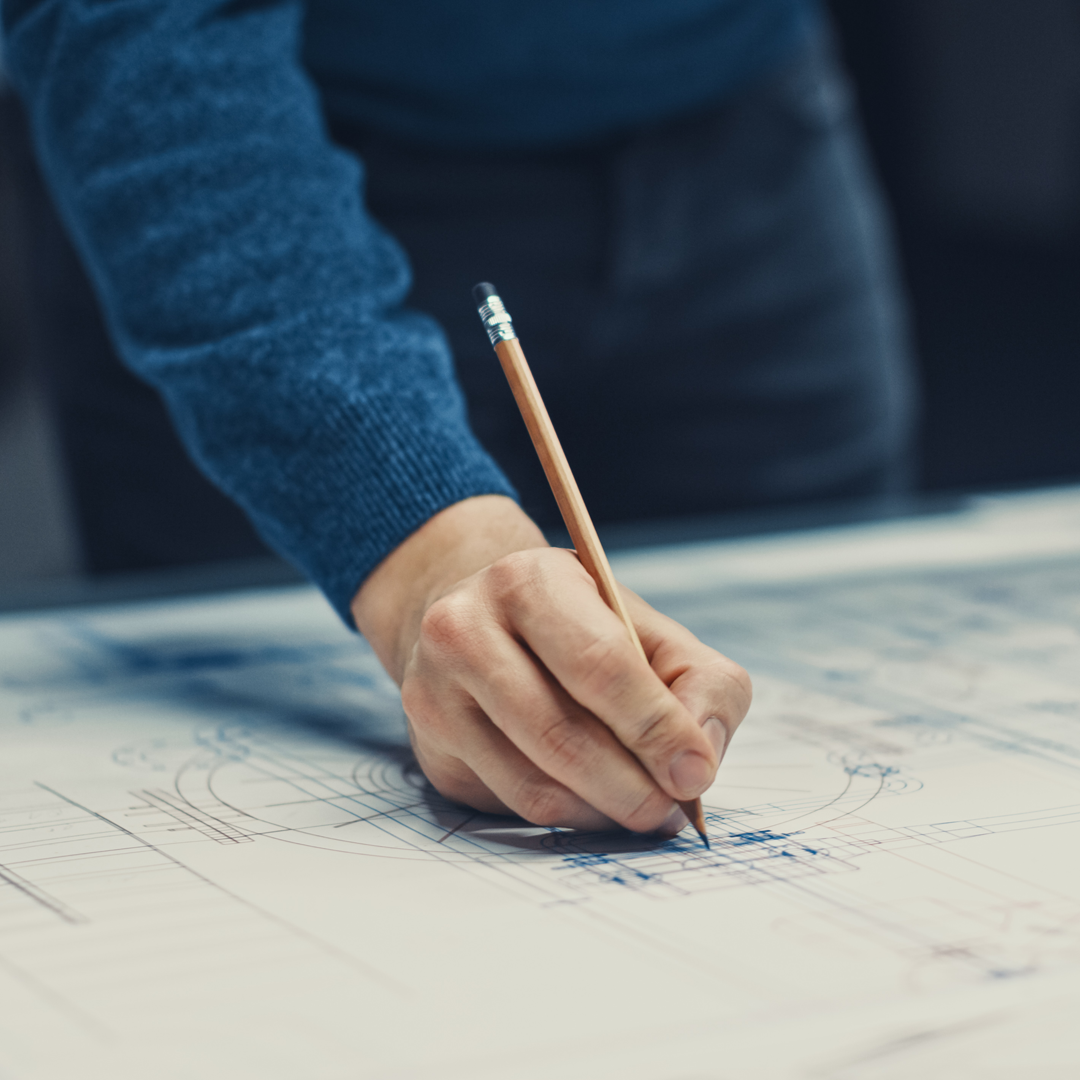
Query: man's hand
523	691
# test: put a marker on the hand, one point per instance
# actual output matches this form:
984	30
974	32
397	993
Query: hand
523	691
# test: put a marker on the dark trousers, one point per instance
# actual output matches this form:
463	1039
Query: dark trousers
709	306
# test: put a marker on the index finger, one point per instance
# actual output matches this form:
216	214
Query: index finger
583	643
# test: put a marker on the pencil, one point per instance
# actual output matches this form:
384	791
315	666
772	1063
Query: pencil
579	525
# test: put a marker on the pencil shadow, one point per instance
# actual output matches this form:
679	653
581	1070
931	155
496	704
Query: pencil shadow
520	835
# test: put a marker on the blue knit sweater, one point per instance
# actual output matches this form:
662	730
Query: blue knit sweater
184	143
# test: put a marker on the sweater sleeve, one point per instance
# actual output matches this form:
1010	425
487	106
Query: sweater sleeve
239	274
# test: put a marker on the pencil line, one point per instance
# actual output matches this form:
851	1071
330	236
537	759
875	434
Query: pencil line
39	897
459	825
325	946
379	814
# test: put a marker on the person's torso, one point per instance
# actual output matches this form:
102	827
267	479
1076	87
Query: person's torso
536	73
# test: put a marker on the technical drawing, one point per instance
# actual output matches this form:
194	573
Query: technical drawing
212	829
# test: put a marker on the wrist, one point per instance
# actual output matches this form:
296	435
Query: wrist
451	546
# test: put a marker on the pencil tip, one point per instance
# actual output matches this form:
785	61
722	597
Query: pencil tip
696	816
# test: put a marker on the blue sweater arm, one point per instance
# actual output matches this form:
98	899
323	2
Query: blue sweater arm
240	275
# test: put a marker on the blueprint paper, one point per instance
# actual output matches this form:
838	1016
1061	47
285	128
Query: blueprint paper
217	858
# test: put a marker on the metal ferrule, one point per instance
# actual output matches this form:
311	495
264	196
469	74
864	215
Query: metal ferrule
497	321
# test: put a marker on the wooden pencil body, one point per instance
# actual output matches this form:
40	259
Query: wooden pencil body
563	485
579	524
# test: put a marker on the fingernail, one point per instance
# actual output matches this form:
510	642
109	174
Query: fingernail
674	823
691	774
717	735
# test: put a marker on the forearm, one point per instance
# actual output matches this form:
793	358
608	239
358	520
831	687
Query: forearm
240	274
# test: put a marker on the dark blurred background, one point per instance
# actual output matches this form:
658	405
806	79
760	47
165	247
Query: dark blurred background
972	108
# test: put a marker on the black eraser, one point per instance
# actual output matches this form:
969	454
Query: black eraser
482	291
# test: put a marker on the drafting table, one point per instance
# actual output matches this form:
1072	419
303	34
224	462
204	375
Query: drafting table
217	859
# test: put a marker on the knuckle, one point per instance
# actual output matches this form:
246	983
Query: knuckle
648	814
446	775
540	801
562	742
742	679
738	690
457	783
601	665
447	622
455	788
657	736
507	577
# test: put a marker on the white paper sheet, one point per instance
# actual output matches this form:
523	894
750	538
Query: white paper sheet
217	859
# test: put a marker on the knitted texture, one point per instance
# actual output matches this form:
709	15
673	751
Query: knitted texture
184	144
